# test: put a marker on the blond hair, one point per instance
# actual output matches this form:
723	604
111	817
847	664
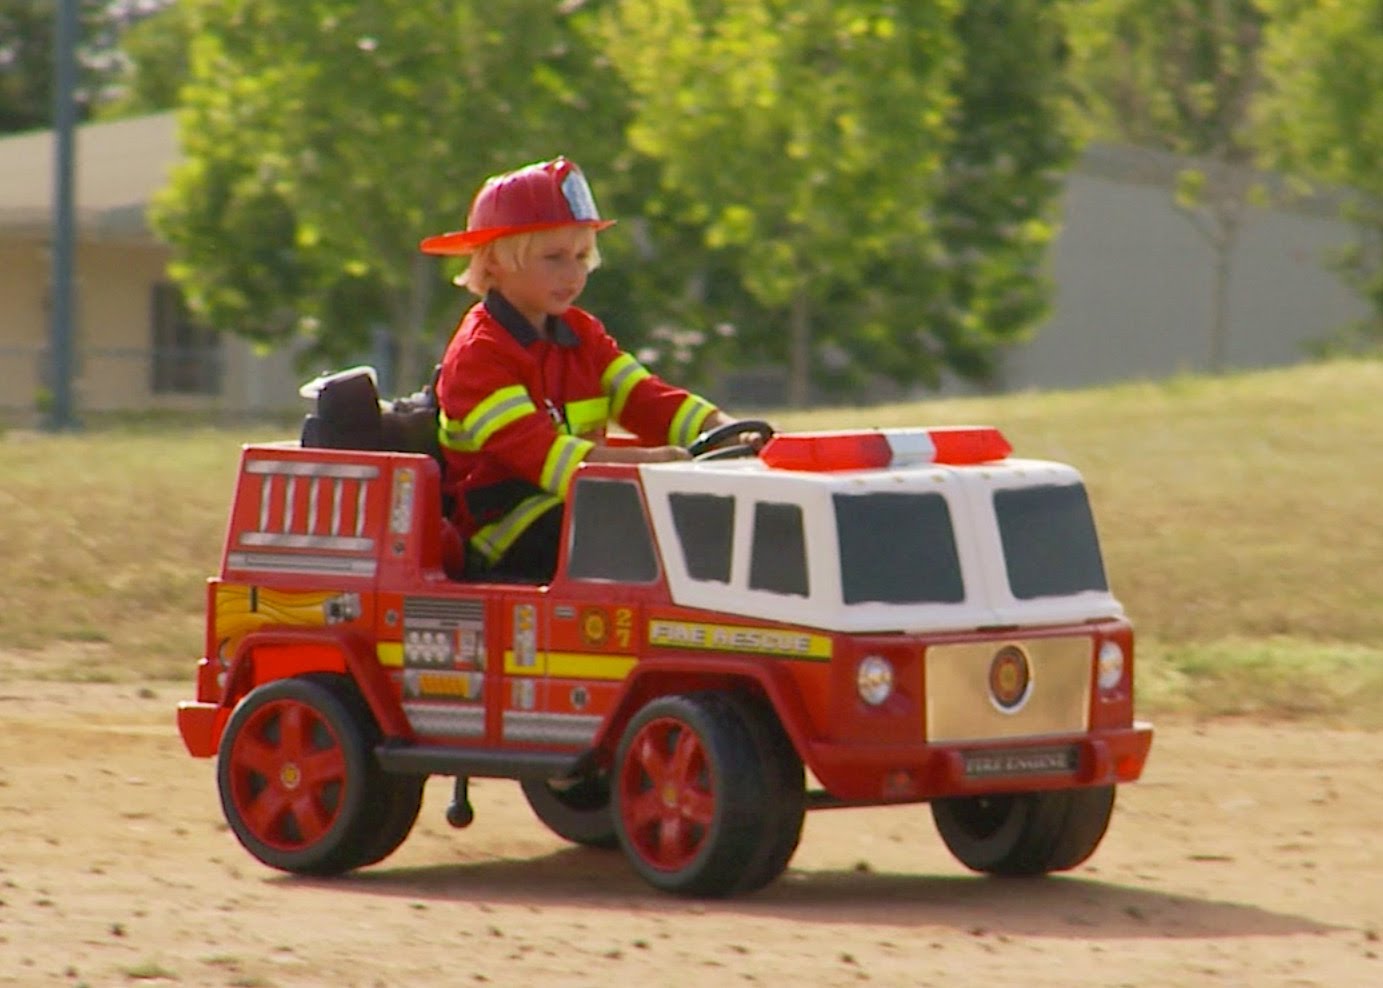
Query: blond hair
511	253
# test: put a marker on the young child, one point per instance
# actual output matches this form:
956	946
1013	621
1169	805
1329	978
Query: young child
529	382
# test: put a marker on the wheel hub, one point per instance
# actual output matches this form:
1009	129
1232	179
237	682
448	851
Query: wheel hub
290	776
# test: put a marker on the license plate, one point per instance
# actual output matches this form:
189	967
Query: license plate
1020	761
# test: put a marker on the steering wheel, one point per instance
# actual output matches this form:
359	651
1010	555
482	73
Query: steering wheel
711	445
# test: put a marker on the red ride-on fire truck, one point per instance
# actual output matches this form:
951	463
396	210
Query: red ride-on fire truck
913	615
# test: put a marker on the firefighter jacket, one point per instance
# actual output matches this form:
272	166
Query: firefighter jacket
520	412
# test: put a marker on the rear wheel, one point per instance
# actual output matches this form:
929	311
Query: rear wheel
689	793
297	776
578	812
1025	833
396	808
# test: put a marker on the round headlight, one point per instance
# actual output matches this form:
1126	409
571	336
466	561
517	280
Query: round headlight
874	679
1111	665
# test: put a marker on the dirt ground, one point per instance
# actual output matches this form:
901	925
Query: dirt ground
1248	855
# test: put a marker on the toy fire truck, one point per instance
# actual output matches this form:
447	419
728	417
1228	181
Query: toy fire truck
913	615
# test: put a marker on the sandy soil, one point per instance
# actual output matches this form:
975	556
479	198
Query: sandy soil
1249	855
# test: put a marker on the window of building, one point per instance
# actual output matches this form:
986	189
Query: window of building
187	358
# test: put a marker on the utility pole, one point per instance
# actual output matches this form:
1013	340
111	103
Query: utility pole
60	337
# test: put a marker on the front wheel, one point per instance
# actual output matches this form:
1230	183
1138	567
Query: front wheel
1024	833
688	794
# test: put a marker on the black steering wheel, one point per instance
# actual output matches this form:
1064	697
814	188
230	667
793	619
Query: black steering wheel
712	445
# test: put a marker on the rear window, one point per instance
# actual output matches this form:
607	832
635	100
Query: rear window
1050	546
897	548
610	539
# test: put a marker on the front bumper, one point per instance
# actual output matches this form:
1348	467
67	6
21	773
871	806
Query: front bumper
865	773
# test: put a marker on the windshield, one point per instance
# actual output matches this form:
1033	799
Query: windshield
897	548
1050	546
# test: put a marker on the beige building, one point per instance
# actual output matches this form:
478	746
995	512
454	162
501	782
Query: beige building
1133	286
134	347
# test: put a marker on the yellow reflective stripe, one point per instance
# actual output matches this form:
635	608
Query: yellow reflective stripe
494	540
588	415
564	456
619	379
485	419
687	423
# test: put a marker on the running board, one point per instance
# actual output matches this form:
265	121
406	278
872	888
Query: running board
422	759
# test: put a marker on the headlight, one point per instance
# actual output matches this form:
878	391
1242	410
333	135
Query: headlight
1111	665
874	679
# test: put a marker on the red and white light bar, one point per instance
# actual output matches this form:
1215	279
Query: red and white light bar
872	449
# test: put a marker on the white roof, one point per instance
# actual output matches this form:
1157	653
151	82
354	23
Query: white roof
118	166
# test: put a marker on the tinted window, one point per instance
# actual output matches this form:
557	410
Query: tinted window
779	560
898	549
705	527
610	539
1050	546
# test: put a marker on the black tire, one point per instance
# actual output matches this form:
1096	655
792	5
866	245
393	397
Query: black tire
1025	833
688	792
395	810
785	795
297	774
579	812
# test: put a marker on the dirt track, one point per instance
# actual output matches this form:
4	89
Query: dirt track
1249	855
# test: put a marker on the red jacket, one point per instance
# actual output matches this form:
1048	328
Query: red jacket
520	413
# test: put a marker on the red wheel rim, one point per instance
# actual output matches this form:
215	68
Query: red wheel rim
667	800
288	775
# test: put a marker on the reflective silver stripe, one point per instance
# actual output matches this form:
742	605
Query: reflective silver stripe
494	413
620	379
686	424
563	458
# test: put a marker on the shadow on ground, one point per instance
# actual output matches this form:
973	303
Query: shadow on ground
1051	906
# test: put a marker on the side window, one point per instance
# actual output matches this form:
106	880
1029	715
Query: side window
706	529
610	539
1050	545
779	560
897	548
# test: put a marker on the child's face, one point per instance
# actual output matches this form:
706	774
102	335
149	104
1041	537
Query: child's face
551	276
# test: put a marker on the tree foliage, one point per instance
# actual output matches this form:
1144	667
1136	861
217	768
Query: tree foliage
324	139
1323	118
803	138
26	56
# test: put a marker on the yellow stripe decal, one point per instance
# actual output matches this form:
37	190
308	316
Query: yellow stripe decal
564	456
588	415
686	424
389	653
573	665
619	380
740	638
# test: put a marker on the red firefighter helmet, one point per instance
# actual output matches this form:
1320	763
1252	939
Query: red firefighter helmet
540	196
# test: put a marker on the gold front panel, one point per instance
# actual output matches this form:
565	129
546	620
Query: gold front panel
960	706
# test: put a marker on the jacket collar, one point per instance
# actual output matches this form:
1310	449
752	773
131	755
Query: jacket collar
523	331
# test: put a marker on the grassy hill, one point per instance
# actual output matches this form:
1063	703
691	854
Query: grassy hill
1241	519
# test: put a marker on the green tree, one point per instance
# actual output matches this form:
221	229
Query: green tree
804	139
1323	118
323	140
154	57
1179	76
26	56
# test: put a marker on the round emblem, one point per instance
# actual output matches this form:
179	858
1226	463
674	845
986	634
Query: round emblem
1010	678
595	626
290	776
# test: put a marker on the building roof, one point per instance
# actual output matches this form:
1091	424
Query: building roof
118	166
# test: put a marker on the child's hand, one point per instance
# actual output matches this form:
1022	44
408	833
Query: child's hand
664	454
